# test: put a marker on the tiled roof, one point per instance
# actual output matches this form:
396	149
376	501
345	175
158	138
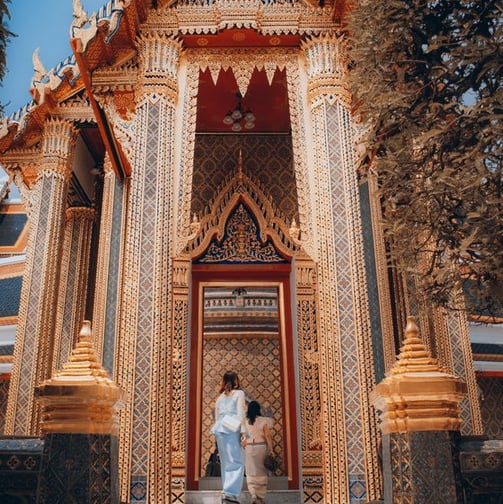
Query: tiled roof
486	348
10	292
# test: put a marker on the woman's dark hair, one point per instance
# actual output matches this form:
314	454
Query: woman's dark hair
230	382
253	411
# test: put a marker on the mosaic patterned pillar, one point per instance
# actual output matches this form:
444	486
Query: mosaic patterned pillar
309	376
73	273
446	334
453	344
346	364
36	320
418	405
79	425
108	270
144	368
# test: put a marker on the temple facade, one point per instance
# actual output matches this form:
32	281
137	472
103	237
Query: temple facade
189	185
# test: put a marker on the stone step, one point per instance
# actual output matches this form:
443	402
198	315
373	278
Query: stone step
273	483
215	497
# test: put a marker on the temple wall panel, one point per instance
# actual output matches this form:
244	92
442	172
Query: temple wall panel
452	335
267	158
4	390
491	390
375	287
256	360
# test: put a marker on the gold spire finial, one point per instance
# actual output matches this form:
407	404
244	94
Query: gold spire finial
80	398
240	165
83	360
417	395
414	356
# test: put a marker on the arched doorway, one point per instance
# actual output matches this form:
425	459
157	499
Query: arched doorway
241	261
265	362
244	244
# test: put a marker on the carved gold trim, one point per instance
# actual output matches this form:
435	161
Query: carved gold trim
273	18
241	188
381	262
327	67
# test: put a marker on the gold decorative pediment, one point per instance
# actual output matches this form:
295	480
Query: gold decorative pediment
242	226
241	242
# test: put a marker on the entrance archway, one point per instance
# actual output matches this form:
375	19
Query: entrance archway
243	242
251	277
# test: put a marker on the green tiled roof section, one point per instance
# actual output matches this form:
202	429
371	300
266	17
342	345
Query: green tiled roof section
10	292
487	348
11	226
6	349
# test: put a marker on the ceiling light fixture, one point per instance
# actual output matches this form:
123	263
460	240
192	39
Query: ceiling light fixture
240	118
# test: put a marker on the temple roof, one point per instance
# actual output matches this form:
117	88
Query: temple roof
107	39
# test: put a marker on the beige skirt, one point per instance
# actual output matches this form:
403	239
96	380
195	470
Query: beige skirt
255	454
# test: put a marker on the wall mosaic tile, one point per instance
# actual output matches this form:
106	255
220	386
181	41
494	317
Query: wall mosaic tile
256	360
491	390
4	390
265	157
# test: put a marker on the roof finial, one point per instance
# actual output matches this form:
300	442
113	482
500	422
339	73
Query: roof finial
79	14
240	165
38	67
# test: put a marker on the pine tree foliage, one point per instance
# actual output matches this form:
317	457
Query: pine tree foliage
427	81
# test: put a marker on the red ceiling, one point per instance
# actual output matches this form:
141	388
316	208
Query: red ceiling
268	102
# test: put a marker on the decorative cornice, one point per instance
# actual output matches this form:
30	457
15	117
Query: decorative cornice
271	18
159	57
80	398
327	66
417	394
241	61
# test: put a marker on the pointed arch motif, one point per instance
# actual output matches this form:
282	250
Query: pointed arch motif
242	206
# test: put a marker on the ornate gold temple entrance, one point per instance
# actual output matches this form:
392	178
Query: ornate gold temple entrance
264	362
239	248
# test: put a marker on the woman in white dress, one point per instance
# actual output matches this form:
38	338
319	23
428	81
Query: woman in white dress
229	409
258	445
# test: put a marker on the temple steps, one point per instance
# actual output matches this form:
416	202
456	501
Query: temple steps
215	497
277	492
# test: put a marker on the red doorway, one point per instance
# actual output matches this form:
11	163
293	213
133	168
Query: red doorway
277	275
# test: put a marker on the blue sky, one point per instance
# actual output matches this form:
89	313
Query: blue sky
37	23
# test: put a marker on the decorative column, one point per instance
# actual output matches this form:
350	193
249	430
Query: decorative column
109	267
346	363
455	353
36	319
72	292
79	426
145	345
418	404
